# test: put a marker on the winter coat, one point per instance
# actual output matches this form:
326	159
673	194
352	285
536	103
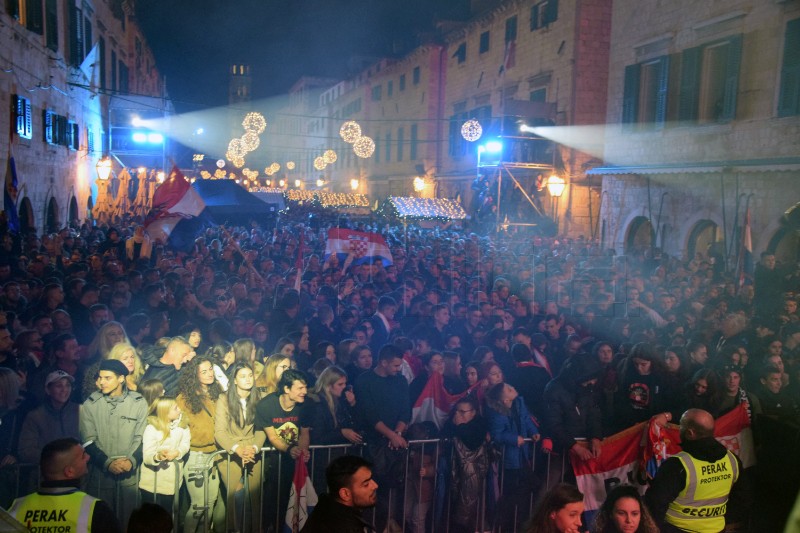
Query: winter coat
45	424
504	430
468	472
571	412
330	516
161	477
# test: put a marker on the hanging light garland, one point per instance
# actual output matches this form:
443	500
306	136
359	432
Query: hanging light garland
319	163
364	147
330	157
350	131
471	130
254	122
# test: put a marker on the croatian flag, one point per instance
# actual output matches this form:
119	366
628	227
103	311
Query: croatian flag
175	218
365	247
434	402
302	498
634	455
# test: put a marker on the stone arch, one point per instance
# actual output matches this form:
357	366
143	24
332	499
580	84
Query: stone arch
51	221
701	237
639	235
73	216
785	244
27	222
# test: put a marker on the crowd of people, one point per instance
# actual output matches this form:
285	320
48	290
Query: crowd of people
158	359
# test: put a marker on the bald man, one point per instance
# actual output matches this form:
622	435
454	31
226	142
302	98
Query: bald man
58	505
696	490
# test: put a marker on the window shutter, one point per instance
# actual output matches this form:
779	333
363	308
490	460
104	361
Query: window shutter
534	17
690	84
663	89
35	20
551	12
47	126
52	24
732	78
75	36
630	97
789	99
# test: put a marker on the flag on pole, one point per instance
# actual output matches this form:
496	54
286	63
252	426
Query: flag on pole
302	498
177	213
746	254
10	193
509	57
365	247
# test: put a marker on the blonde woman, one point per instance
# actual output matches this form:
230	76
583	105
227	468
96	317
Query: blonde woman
163	444
109	334
276	365
127	354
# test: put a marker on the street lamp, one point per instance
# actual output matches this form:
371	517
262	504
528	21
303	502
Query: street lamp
102	207
354	184
555	186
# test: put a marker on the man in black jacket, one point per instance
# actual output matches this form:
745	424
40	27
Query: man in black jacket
350	489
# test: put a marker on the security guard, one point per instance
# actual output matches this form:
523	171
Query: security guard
58	506
696	489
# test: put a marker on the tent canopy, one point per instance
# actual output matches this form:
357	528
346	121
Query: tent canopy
227	200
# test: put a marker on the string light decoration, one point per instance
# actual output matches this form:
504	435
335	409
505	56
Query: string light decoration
275	167
219	174
250	141
254	122
290	165
330	157
238	162
471	130
299	195
205	174
341	199
364	147
319	163
350	131
440	209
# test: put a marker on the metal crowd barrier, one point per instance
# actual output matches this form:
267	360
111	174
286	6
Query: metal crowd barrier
403	515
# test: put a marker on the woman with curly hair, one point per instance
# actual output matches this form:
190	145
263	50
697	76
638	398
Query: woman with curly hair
198	393
624	511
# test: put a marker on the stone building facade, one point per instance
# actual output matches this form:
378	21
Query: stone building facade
703	126
62	63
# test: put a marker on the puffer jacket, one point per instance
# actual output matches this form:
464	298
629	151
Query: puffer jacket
159	477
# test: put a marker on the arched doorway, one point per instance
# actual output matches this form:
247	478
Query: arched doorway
27	224
73	212
785	244
51	220
701	238
640	235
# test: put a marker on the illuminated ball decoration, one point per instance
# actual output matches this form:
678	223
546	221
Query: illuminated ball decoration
329	157
319	163
254	122
419	184
238	162
220	163
471	130
205	174
350	131
275	167
235	150
290	165
250	141
364	147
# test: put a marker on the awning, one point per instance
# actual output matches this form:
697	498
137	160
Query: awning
423	208
782	164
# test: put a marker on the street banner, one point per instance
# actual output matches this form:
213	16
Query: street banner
365	247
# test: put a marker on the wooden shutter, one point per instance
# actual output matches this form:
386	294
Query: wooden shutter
630	96
663	90
789	98
732	67
690	84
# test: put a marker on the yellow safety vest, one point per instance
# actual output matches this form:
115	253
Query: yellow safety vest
69	512
700	507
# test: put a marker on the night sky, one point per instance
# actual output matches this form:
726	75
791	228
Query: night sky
194	41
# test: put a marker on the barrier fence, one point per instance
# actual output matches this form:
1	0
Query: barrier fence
426	493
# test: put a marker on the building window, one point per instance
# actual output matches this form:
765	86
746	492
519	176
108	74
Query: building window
415	76
114	78
51	11
710	81
511	29
539	95
412	152
457	146
644	101
376	93
23	118
388	141
483	46
400	140
73	135
56	129
389	88
543	14
34	19
402	84
789	99
124	87
76	43
461	53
